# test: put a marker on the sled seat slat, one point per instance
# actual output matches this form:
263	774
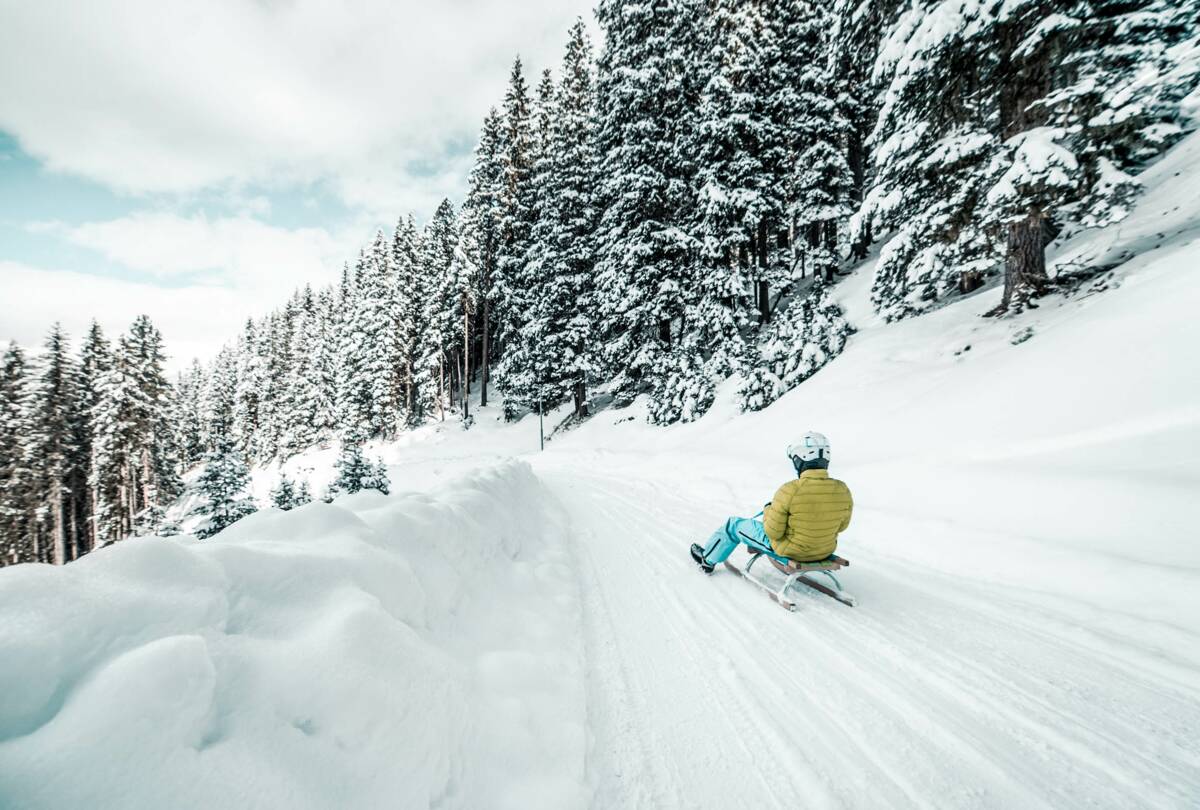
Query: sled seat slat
831	563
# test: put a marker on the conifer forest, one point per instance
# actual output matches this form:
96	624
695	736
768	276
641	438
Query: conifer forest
662	212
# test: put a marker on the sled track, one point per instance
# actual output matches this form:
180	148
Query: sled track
934	692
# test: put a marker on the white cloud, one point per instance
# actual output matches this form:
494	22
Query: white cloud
189	317
203	277
174	96
239	252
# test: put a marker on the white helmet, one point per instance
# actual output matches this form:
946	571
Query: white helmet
810	447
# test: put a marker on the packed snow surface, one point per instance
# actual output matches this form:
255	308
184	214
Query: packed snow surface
532	633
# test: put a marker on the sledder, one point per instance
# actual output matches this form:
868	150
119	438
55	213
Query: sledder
799	529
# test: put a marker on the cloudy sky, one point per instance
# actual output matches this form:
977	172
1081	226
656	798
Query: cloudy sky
198	161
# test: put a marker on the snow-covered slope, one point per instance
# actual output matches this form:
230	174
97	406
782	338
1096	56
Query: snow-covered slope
533	634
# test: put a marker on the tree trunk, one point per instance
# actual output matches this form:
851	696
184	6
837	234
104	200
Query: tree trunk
59	550
1022	82
764	286
1024	265
146	478
441	389
73	552
581	403
466	385
410	401
829	242
485	365
92	529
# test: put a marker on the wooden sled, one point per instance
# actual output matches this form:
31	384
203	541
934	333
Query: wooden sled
797	572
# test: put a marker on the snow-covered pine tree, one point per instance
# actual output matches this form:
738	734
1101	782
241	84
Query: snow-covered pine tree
516	212
251	386
999	120
1086	94
807	335
820	183
735	136
856	33
483	218
301	395
572	265
220	402
325	367
443	326
531	351
408	303
134	464
356	472
222	488
368	350
95	359
286	494
14	517
465	275
49	447
736	204
931	157
188	418
646	113
158	476
277	351
115	448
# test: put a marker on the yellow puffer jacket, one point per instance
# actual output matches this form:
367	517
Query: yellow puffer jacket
805	516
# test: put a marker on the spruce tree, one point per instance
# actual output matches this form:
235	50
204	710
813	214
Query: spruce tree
516	211
222	488
157	454
95	361
527	368
820	183
251	387
14	528
50	449
407	304
573	238
115	448
646	109
483	218
220	402
298	410
998	120
356	472
368	352
288	494
808	335
441	339
188	418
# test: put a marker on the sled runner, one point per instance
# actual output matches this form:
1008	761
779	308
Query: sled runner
796	572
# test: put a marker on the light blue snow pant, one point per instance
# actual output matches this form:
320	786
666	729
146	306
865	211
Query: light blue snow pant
736	530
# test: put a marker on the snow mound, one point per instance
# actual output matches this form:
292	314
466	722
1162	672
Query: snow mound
338	655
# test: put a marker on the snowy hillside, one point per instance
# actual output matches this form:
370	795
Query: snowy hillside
531	633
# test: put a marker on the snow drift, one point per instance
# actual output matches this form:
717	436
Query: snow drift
411	651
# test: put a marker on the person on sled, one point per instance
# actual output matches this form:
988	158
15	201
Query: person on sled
802	522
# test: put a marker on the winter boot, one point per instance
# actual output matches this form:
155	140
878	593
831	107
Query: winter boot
698	556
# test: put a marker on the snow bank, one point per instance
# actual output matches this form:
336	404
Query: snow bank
407	651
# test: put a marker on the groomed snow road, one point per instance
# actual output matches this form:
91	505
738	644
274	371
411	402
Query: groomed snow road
939	690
